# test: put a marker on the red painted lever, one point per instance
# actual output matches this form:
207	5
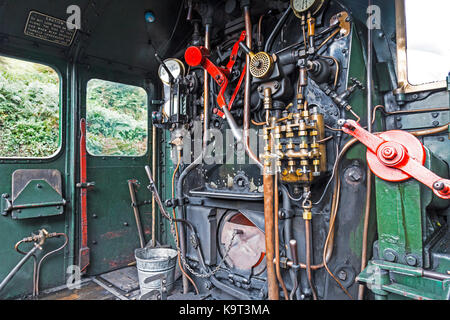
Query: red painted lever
397	156
198	56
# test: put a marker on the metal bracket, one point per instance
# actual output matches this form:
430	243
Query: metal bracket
174	203
85	185
159	294
7	205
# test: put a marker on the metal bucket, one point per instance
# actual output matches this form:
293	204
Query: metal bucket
154	261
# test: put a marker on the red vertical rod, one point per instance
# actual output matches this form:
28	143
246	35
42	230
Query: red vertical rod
84	250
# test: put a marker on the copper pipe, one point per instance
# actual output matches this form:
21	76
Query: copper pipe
206	92
268	211
277	242
358	119
259	30
390	113
329	38
258	123
370	122
247	83
247	88
430	131
325	139
366	230
269	236
66	240
308	256
332	226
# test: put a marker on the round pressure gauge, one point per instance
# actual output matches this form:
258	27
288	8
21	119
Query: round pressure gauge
300	7
176	68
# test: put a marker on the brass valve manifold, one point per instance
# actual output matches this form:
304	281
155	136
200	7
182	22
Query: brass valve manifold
301	157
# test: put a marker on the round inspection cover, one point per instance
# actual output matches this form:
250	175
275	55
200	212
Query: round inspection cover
415	150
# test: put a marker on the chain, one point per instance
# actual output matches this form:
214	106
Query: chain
213	272
185	263
152	188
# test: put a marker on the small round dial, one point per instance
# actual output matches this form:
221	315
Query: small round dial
302	6
175	67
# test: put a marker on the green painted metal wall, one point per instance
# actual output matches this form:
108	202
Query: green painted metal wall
11	231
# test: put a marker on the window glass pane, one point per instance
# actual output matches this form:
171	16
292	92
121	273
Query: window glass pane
116	116
29	109
427	25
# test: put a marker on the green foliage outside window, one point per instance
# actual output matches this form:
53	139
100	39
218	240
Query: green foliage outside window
116	119
29	109
30	113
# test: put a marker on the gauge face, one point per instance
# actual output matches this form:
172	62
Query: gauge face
302	6
175	67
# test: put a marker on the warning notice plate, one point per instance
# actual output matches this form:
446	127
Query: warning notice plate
49	28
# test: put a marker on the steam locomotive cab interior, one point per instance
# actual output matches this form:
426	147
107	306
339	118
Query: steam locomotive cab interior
279	150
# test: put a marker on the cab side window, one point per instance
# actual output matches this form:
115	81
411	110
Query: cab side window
29	109
116	118
428	48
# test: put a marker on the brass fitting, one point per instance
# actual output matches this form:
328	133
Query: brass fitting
261	64
267	99
307	215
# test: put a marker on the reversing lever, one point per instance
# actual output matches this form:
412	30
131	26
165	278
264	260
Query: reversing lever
397	156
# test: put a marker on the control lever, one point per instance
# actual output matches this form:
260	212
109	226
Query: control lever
295	266
397	156
293	247
198	56
152	188
163	64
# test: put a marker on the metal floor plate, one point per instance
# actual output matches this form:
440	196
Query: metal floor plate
125	279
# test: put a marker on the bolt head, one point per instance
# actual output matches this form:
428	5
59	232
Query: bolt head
390	255
355	176
389	153
342	275
439	186
411	260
